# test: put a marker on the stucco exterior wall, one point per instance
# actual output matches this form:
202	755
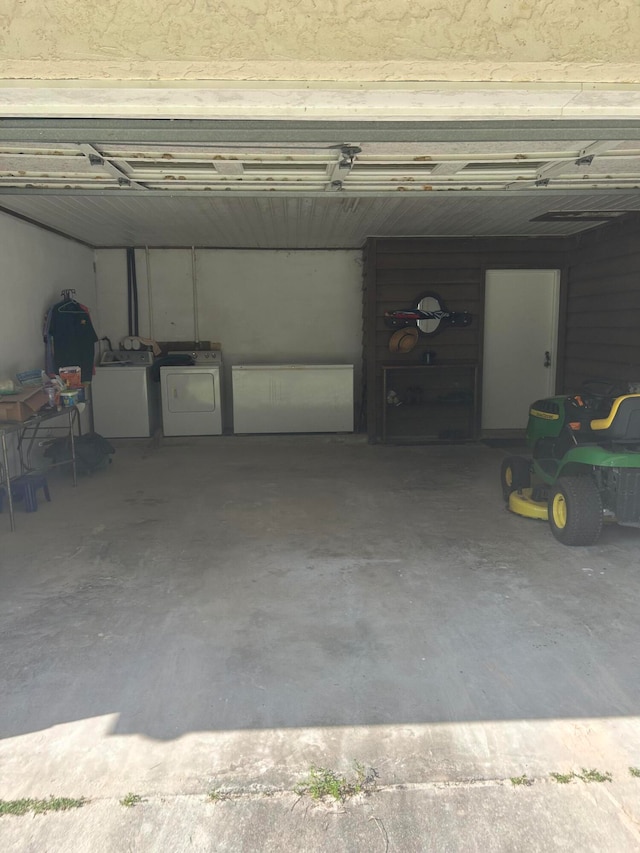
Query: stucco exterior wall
594	40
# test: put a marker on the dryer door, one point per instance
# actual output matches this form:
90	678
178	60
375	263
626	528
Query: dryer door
191	400
191	391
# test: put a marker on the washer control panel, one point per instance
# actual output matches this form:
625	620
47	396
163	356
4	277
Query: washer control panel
204	357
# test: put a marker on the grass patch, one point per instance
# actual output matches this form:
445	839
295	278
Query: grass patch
635	771
131	800
594	775
563	778
53	804
218	795
587	775
521	780
322	783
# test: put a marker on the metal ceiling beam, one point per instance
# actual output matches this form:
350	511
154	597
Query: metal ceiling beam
563	166
265	194
336	175
448	167
227	167
567	165
338	171
600	147
218	131
553	168
585	158
99	161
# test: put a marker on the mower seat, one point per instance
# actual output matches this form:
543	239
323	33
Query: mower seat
622	424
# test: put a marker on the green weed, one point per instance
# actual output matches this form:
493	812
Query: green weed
521	780
53	804
217	795
635	771
587	775
563	778
131	800
594	775
322	782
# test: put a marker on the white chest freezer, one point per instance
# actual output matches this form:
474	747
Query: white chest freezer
292	398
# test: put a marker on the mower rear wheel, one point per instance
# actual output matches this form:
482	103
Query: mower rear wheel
575	511
515	474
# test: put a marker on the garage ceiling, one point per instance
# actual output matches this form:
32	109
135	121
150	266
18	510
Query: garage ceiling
316	195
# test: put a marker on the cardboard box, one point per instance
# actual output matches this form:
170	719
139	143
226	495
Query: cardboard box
20	407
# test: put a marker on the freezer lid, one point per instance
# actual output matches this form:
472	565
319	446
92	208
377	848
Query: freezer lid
292	367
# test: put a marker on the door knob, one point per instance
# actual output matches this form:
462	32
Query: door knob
547	359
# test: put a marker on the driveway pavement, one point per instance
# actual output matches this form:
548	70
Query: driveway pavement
224	615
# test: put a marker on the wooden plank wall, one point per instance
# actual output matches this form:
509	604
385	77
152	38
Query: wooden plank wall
400	270
602	331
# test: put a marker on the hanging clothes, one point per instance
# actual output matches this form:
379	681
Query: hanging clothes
68	326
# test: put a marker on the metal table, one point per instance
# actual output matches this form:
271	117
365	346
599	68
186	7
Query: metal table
27	432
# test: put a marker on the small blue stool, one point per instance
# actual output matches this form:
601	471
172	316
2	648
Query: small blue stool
26	487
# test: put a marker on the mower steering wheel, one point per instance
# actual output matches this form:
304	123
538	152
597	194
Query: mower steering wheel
580	401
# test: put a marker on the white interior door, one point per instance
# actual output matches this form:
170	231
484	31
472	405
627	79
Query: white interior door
520	344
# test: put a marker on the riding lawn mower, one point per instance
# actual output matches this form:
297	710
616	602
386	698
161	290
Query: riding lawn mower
585	465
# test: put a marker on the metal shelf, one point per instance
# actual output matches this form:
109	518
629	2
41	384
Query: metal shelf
429	403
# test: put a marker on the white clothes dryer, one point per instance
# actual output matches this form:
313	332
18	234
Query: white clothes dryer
191	395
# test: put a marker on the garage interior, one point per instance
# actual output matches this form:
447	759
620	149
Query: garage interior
227	611
238	241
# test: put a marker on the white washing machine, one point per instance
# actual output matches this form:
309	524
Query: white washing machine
191	395
125	400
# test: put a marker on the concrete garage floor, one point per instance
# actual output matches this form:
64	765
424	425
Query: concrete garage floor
225	613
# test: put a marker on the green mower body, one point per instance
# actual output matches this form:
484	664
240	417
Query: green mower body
584	466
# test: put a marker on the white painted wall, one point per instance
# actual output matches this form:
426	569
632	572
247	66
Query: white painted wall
111	294
262	306
36	266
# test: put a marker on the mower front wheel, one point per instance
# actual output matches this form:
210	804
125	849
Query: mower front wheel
575	511
515	474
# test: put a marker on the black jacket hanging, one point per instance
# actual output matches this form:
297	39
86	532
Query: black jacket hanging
73	337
